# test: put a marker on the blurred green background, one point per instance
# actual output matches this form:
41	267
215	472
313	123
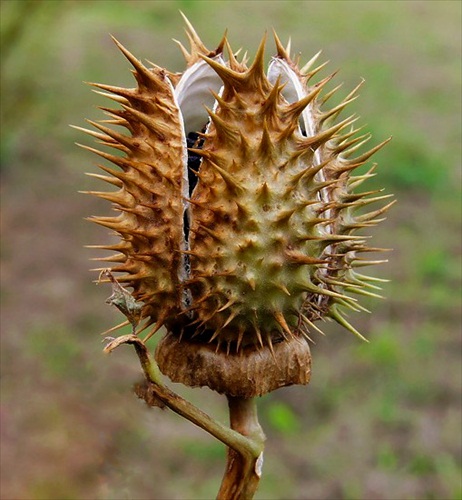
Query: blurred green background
379	420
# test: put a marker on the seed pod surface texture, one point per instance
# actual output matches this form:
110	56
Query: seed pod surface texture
239	212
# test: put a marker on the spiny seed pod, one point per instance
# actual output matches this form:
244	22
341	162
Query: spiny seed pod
238	213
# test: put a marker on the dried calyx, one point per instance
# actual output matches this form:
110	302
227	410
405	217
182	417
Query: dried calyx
240	243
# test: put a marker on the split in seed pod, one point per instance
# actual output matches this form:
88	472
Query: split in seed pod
239	213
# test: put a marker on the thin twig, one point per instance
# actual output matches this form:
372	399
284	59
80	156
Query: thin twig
244	446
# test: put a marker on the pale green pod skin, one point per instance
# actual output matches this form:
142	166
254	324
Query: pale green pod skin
270	244
254	250
269	213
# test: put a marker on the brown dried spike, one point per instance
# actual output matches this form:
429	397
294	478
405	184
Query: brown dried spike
113	97
334	112
111	180
305	69
183	49
279	317
230	77
231	183
313	72
159	128
281	50
114	223
240	78
197	46
329	94
303	259
120	258
222	103
372	215
349	147
295	110
255	76
224	132
307	173
124	93
266	148
92	133
345	145
143	75
121	138
113	197
234	64
270	106
312	143
117	160
360	160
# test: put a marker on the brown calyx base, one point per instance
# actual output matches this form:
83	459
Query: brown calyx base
250	372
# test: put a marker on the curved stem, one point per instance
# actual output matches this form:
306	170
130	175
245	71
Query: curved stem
234	439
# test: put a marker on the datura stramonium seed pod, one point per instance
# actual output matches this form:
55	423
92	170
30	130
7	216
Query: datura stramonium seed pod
238	213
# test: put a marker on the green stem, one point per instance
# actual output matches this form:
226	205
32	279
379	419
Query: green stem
243	470
234	439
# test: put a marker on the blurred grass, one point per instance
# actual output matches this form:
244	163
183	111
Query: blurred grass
378	421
